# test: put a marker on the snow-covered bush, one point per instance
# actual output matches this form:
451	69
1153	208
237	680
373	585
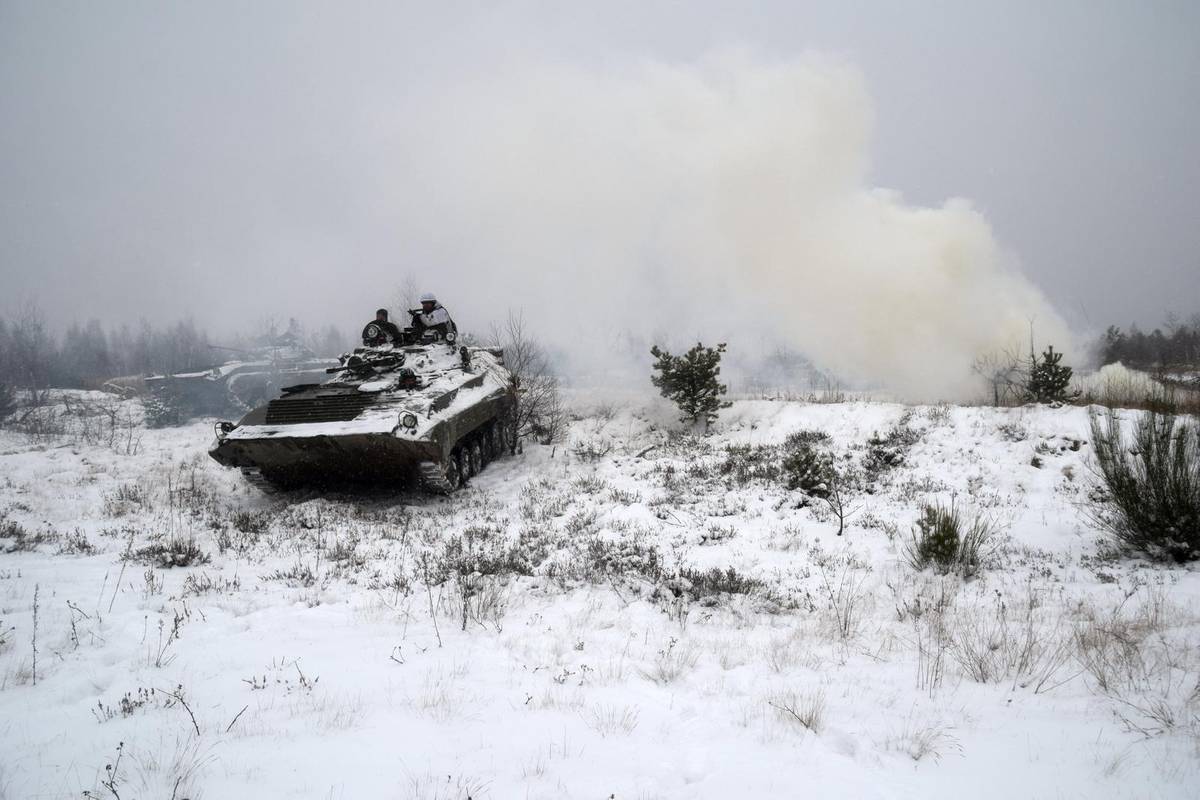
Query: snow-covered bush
175	552
624	557
1149	496
807	465
889	451
1013	431
946	539
698	584
744	464
22	539
162	411
76	542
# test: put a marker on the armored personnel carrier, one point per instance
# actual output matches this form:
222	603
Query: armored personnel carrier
241	384
419	408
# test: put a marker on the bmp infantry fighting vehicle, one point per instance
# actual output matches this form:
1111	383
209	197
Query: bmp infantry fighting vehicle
242	384
420	407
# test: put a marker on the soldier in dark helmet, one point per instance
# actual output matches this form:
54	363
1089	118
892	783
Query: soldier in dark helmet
381	331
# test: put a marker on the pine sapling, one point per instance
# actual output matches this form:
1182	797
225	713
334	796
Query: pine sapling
691	381
1049	379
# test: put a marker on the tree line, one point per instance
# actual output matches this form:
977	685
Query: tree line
1176	346
36	353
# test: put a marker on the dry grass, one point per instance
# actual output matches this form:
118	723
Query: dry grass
611	720
806	709
671	662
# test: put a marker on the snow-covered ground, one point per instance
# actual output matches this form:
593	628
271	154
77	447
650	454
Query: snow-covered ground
302	660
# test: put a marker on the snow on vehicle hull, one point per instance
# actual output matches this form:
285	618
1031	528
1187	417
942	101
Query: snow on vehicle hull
428	411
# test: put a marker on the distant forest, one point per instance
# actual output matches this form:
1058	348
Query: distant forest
35	353
1175	345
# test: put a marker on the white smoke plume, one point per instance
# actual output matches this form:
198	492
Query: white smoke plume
725	199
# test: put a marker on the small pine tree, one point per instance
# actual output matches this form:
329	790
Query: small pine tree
806	464
1049	380
690	381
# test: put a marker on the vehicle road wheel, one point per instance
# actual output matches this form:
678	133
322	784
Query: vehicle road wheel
474	457
495	438
508	436
454	470
487	447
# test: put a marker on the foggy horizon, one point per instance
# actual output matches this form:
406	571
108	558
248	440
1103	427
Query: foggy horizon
596	167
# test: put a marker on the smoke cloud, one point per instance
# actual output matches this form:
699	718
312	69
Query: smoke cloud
723	199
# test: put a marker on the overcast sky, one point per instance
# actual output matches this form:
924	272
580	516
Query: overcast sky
230	161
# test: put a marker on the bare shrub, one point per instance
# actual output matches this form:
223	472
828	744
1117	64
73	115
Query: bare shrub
38	420
591	449
842	581
1130	659
1150	487
540	413
102	419
1013	638
837	498
1006	373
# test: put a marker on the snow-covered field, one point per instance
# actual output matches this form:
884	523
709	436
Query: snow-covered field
569	658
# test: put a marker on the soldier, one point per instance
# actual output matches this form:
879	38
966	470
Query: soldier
381	331
432	316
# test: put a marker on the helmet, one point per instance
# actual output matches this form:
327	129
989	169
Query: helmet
428	297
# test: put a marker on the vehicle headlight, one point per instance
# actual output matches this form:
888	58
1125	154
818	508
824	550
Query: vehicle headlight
408	420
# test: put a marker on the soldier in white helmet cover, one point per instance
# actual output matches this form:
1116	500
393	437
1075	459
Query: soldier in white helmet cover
432	316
